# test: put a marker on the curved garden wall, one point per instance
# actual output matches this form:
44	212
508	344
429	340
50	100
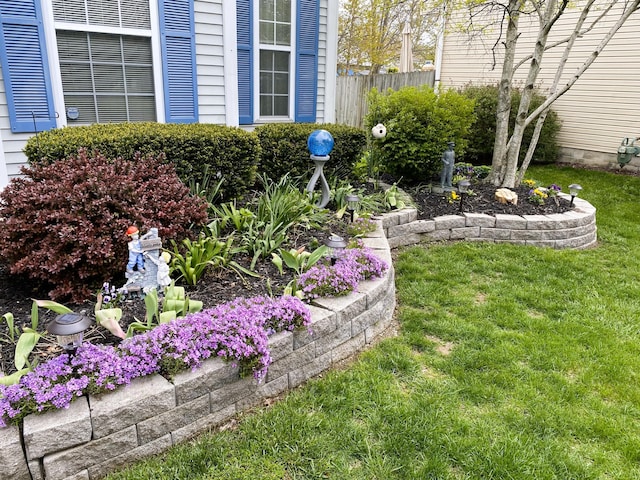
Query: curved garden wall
573	229
100	433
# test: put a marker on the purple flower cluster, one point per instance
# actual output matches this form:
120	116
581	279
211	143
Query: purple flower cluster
352	266
236	331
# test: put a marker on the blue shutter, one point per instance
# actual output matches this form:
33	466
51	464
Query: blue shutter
178	60
25	67
308	26
244	20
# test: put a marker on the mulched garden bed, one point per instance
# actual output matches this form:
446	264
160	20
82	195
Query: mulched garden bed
16	293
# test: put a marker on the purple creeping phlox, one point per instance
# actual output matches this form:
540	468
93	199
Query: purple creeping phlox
236	331
352	266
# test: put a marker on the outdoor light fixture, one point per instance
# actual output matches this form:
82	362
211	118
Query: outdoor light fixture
352	205
463	188
336	244
320	144
68	329
574	190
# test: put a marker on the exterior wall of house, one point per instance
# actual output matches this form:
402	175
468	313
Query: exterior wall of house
216	73
596	113
12	143
327	61
208	16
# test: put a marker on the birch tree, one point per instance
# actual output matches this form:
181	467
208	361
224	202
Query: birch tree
507	169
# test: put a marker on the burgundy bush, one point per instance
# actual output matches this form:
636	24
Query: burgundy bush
64	224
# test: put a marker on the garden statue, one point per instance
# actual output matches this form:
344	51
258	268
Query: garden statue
155	273
162	263
136	259
448	161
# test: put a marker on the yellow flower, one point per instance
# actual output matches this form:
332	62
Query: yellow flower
540	193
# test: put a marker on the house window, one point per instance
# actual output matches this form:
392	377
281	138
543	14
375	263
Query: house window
275	22
112	13
277	44
275	54
106	78
274	83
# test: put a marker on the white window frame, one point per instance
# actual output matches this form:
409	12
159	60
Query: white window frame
291	49
50	27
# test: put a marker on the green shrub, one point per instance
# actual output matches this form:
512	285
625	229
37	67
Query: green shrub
196	150
64	224
419	125
284	149
482	134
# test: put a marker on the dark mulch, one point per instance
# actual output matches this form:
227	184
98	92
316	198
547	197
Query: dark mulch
16	293
482	200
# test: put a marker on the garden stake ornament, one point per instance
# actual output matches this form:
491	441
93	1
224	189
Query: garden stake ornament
320	144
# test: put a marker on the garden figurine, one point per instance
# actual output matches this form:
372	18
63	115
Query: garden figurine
448	162
136	258
163	268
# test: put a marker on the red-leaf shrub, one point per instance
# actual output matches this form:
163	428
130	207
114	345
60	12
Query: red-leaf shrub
64	224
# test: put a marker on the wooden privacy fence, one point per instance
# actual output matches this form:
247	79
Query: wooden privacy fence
351	92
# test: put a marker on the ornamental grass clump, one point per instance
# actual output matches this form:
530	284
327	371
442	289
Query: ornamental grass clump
236	331
351	267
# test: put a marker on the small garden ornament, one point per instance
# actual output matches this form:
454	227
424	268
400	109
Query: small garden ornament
145	277
448	161
136	259
163	269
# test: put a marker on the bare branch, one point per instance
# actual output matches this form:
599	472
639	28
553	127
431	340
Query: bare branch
631	7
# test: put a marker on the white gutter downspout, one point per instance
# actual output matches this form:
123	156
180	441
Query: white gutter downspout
440	49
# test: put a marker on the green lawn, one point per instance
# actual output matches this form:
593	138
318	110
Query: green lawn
512	363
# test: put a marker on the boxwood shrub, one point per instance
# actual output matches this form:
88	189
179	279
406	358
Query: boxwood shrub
193	148
284	149
419	125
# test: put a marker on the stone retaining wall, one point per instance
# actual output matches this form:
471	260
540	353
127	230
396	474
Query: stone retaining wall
100	433
573	229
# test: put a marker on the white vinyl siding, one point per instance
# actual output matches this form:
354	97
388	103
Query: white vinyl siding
598	111
12	143
322	62
210	61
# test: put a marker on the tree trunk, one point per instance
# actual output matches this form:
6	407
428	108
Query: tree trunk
504	94
556	80
547	19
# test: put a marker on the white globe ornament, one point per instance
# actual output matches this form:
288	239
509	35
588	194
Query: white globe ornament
379	131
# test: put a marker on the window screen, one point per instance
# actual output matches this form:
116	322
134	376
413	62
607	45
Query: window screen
110	13
106	78
274	83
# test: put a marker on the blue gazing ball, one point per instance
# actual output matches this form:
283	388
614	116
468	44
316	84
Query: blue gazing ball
320	143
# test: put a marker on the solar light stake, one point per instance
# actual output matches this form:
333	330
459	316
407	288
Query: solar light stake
336	244
463	187
352	205
574	190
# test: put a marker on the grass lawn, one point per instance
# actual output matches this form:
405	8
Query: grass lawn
512	363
